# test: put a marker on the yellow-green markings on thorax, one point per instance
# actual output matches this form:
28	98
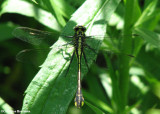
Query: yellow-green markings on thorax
79	45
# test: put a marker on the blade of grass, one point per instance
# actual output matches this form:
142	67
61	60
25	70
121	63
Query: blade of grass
148	14
95	109
97	103
115	100
60	9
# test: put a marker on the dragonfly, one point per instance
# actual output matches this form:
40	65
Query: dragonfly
78	41
35	37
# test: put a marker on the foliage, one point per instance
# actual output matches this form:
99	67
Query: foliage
116	83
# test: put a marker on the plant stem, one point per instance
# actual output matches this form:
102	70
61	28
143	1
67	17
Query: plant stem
126	47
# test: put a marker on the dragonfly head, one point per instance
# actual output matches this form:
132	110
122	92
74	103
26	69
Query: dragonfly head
80	28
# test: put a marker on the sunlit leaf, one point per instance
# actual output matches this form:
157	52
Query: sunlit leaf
5	108
29	10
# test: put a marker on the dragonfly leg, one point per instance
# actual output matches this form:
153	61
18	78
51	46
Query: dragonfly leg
85	59
71	42
91	48
70	63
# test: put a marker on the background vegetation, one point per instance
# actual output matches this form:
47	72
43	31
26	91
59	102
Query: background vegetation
115	83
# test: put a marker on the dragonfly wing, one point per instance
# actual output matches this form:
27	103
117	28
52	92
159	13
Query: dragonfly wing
110	44
38	55
32	56
31	36
110	37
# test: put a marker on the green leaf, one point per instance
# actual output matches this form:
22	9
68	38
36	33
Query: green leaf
29	10
148	14
153	111
95	109
60	9
34	1
115	99
149	36
97	103
156	88
50	90
117	17
5	108
146	59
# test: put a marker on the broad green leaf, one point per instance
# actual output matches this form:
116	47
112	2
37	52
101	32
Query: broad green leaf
5	108
50	90
29	10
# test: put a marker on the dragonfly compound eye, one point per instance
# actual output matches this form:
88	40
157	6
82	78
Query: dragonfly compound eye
80	27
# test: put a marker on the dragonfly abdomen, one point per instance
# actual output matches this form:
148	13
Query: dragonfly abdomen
79	100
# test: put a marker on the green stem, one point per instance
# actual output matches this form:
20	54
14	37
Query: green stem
126	47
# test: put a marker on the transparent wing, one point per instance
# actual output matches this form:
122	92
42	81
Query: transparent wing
38	55
32	36
32	56
110	37
110	44
35	37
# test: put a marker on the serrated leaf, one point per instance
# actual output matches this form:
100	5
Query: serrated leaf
50	90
